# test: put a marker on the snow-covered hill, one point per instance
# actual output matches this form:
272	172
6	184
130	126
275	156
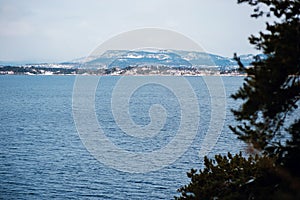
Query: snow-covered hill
169	58
140	58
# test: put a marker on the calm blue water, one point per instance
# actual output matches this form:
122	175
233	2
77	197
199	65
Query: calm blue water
42	156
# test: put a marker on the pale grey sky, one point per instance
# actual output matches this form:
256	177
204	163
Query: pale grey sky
61	30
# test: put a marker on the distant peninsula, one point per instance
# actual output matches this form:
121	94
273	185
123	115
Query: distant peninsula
123	62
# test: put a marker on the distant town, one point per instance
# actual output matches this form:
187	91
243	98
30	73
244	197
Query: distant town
115	71
134	63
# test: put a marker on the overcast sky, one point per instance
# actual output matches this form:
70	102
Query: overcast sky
61	30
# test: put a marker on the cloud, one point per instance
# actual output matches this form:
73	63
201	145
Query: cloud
66	29
15	28
14	20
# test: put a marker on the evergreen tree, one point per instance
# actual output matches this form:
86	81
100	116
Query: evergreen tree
271	90
268	119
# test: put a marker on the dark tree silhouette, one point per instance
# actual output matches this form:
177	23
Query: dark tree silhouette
271	90
267	118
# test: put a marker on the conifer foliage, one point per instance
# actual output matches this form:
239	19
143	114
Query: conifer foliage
268	118
271	90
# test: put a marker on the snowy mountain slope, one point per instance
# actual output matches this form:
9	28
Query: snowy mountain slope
170	58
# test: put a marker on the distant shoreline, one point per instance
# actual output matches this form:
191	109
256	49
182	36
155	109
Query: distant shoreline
222	75
128	71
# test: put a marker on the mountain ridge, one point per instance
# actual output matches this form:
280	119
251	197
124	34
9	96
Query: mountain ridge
169	58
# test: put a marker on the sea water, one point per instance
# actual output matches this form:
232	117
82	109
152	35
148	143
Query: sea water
43	157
